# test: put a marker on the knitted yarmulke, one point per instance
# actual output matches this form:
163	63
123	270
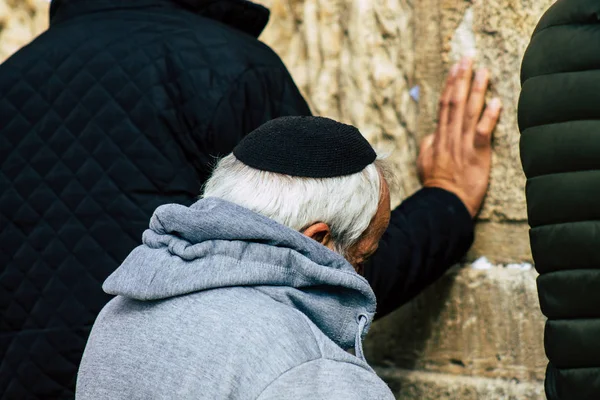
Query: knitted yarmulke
311	147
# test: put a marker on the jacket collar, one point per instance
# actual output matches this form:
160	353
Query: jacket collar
243	15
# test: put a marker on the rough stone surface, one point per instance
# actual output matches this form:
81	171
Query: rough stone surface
416	385
472	322
501	242
357	60
20	21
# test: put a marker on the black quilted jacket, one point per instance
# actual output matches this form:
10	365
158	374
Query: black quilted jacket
119	107
559	118
122	105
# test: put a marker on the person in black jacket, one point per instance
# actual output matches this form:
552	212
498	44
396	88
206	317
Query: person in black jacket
122	106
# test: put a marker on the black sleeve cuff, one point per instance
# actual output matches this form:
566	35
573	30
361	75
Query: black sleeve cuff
428	233
433	197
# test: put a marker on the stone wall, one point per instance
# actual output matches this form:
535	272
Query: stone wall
380	65
477	334
20	21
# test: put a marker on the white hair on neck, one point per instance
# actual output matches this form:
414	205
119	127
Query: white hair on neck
346	203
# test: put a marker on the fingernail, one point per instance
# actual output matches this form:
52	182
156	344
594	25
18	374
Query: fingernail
454	70
465	63
495	104
481	75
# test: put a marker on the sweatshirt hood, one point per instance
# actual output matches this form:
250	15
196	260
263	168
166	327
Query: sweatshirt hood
215	244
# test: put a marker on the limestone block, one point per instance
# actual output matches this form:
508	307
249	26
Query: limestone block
415	385
354	61
472	322
20	21
501	242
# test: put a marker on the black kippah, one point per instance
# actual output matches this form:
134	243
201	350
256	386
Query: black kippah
311	147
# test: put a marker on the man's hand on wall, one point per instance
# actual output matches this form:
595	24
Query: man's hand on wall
457	157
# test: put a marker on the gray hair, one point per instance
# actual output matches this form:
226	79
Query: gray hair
346	203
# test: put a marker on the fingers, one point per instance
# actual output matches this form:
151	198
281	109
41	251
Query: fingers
483	130
458	103
460	111
475	104
444	107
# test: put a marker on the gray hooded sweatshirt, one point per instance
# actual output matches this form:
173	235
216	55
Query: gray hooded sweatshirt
222	303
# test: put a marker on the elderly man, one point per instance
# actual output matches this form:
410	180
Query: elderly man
254	291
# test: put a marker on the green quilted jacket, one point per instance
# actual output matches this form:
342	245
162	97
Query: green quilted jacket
559	119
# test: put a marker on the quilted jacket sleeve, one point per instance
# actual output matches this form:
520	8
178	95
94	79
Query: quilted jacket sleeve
559	119
428	233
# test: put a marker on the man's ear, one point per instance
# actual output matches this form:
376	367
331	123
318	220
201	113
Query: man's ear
321	233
